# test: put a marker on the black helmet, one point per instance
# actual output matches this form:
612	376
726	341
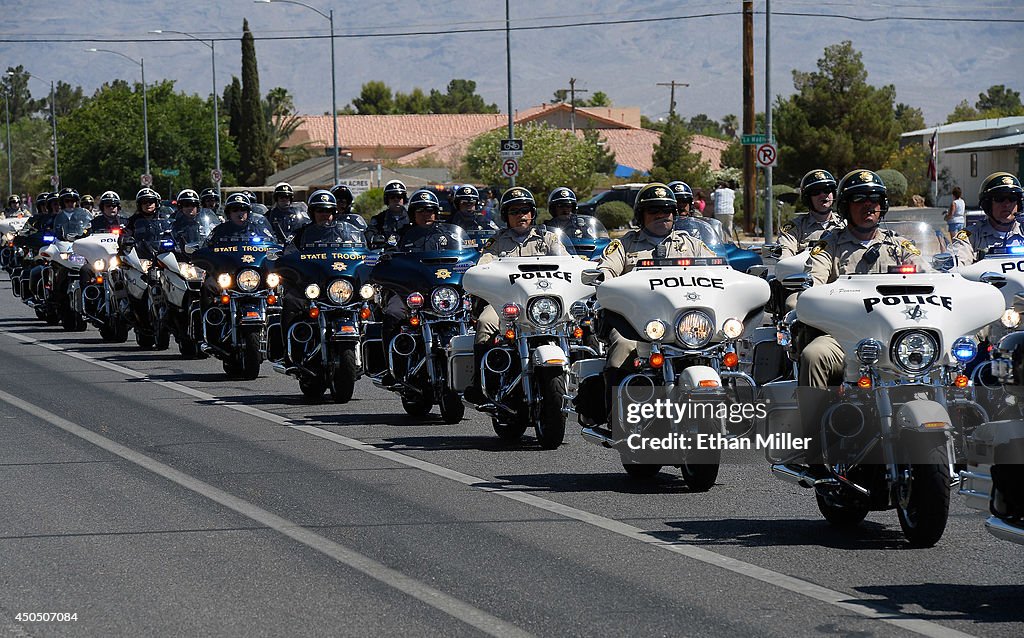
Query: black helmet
857	183
188	197
88	200
251	195
209	193
425	200
110	197
652	197
13	200
341	192
238	201
284	189
395	187
52	198
517	195
562	195
1000	183
42	199
466	193
682	191
68	193
322	200
817	179
147	195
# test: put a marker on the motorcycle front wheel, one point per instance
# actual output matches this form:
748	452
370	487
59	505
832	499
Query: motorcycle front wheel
840	515
343	378
251	357
452	407
923	517
551	419
144	340
701	477
312	387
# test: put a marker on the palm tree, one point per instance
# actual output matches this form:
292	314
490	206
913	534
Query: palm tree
279	110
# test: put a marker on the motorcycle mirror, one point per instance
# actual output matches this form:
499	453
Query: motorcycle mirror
943	262
797	282
769	250
192	247
994	279
591	277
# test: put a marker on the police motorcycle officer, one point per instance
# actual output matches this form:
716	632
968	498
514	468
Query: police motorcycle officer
467	213
88	203
110	216
33	237
387	226
14	207
685	209
192	223
209	200
1002	200
285	217
95	301
562	208
653	213
521	238
817	192
343	195
71	223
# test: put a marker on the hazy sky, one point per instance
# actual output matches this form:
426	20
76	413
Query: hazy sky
945	55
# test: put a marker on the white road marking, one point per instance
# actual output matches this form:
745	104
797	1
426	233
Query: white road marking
435	598
869	609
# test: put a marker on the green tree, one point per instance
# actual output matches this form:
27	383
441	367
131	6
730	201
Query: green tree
895	186
233	106
730	125
374	99
369	203
673	158
15	84
604	157
552	158
460	98
67	99
614	214
909	118
999	101
32	155
416	102
732	156
254	162
835	120
701	124
912	162
963	112
654	125
599	98
282	121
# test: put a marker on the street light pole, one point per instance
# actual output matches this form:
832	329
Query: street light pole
508	77
7	118
334	91
55	180
145	108
216	115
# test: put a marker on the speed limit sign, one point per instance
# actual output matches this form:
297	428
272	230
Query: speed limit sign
510	167
146	179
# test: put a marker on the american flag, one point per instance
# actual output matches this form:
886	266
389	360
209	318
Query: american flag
933	148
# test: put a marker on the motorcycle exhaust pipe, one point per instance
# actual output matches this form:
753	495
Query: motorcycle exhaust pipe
92	293
498	360
845	420
214	317
403	345
637	388
301	332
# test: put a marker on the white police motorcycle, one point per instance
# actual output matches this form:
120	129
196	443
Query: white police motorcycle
92	293
687	316
884	441
538	301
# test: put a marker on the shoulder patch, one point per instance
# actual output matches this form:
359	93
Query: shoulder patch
610	249
818	248
489	243
788	226
909	246
963	235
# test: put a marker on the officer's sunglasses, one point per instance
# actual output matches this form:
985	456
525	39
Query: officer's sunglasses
520	211
1002	199
874	198
819	191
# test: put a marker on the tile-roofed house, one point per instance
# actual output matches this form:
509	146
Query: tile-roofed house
410	139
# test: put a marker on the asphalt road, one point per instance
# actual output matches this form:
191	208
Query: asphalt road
152	496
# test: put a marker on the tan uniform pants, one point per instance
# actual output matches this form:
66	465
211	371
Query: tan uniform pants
822	363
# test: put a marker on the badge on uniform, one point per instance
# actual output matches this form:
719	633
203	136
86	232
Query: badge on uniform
818	248
910	247
963	235
788	226
489	243
610	249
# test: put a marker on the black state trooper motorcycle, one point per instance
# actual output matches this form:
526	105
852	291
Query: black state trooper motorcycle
428	279
326	304
238	301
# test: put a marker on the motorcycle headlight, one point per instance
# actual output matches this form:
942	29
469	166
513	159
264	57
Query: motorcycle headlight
914	351
964	349
366	291
146	263
224	280
655	329
339	291
868	351
312	291
695	329
1010	318
273	280
98	265
732	328
248	280
544	311
445	300
191	273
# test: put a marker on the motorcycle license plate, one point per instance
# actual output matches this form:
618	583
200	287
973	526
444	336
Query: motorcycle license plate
252	313
344	329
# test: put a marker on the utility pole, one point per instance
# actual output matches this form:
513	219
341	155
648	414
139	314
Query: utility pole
572	102
672	95
769	204
508	78
749	177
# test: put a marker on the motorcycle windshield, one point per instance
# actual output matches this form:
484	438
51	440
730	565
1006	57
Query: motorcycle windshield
152	236
434	238
565	239
579	227
73	225
701	230
930	241
337	235
478	238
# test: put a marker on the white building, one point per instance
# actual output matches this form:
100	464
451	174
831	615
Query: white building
971	151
